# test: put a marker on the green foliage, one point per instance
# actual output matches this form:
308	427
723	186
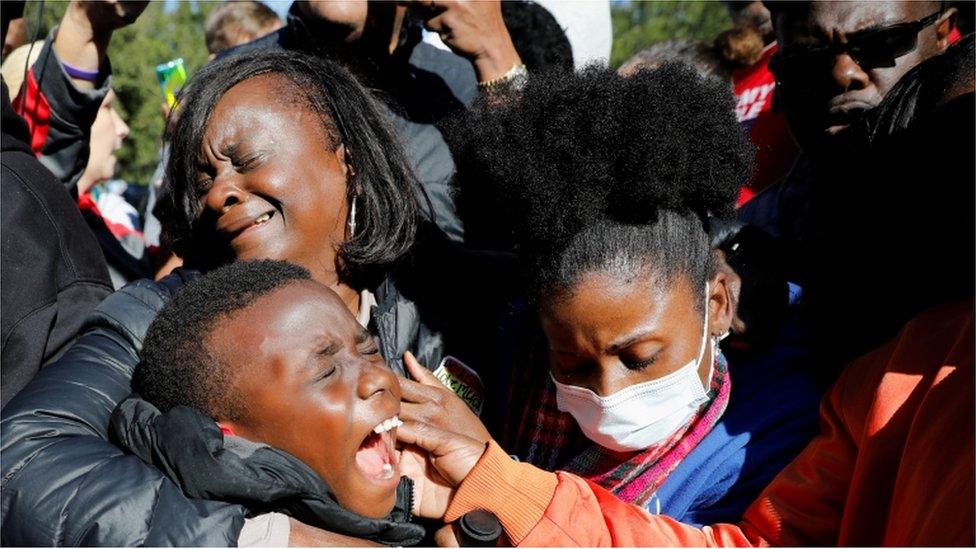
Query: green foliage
637	25
156	37
50	15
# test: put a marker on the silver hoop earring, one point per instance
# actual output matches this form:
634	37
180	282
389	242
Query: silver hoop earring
352	218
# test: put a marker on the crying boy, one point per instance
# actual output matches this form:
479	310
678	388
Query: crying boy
275	358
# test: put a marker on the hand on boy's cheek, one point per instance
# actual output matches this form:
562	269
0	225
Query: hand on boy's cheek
431	491
428	401
453	456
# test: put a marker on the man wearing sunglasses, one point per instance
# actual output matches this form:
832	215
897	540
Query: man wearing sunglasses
837	60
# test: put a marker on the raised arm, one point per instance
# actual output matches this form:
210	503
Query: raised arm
68	82
473	29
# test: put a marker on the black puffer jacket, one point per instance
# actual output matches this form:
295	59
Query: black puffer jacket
190	448
62	482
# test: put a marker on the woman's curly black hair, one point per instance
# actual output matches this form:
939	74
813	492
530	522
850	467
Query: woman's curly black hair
387	189
595	171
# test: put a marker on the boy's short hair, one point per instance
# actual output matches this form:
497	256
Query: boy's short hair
235	22
175	366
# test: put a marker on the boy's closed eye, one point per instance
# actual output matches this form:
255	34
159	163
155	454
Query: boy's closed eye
323	362
325	357
366	343
324	371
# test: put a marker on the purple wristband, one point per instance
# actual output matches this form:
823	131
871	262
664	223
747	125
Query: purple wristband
80	74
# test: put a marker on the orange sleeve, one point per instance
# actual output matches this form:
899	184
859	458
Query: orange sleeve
517	493
803	505
837	490
584	514
537	508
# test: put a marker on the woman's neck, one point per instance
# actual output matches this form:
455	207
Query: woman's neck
349	295
331	279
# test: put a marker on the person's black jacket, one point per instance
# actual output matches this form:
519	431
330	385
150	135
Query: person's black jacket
190	448
53	272
421	84
883	228
63	482
92	493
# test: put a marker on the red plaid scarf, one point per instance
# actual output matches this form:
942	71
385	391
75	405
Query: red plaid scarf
552	440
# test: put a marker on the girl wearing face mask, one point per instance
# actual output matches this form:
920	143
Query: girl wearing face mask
612	182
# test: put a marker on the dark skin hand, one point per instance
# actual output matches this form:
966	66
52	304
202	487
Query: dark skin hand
448	458
473	29
427	400
819	118
86	30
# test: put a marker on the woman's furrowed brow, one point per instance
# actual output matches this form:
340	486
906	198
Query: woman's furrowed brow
627	341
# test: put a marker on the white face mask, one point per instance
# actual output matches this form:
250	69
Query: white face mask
639	416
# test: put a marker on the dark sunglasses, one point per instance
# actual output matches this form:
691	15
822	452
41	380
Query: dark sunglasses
869	49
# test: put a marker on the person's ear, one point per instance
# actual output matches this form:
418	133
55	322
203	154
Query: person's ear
733	283
944	27
721	302
344	157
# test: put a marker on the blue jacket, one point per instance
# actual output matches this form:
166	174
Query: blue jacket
772	414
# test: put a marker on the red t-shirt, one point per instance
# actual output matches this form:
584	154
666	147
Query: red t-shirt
767	129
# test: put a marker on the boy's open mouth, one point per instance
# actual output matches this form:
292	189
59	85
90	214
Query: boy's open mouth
376	457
